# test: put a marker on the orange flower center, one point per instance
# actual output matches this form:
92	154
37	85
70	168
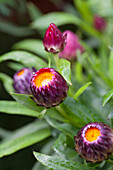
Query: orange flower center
20	73
92	134
43	79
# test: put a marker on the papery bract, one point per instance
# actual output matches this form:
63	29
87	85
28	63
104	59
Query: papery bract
99	23
54	41
94	142
72	45
48	87
21	80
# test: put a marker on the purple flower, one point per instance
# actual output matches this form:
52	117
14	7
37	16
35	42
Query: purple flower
72	45
99	23
48	87
94	142
54	41
22	80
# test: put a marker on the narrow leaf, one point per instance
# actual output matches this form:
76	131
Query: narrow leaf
81	90
61	18
32	45
107	97
58	18
27	101
84	10
65	69
110	116
63	127
15	30
7	82
15	66
79	113
33	11
4	133
111	65
60	146
12	107
25	136
59	163
25	58
46	149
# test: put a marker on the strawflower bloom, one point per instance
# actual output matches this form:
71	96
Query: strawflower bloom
72	45
21	80
99	23
54	41
48	87
94	142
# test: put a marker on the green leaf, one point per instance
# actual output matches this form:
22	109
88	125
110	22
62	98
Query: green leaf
65	69
4	133
110	116
53	113
63	127
33	11
61	18
7	82
15	66
15	30
78	72
110	71
27	101
46	149
12	107
107	97
58	18
60	146
81	90
94	101
84	10
32	45
25	58
59	163
79	113
25	136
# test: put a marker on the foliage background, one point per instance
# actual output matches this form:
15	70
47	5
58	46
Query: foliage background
15	25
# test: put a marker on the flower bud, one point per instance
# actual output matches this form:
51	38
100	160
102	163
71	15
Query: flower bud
94	142
21	80
48	87
99	23
54	41
72	45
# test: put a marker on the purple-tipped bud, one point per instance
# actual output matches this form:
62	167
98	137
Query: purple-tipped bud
22	79
99	23
48	87
94	142
54	41
72	45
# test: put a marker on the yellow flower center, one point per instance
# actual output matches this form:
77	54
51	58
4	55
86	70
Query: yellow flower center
92	134
43	79
20	72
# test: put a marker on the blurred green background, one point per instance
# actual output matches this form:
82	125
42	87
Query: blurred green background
16	17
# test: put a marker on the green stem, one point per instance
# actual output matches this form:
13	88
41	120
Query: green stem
42	113
63	114
110	161
49	60
56	58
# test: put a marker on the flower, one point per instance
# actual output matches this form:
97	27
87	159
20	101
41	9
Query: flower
21	80
72	45
54	41
94	142
99	23
48	87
